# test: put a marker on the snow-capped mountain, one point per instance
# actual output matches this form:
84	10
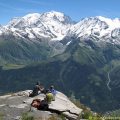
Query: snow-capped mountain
52	25
48	31
55	26
99	27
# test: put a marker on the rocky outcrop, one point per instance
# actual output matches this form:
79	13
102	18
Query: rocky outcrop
14	105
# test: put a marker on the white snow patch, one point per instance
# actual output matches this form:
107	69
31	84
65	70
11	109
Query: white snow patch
115	23
68	42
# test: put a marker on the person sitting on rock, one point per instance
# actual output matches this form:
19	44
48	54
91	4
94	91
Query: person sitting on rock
41	88
49	96
53	91
36	90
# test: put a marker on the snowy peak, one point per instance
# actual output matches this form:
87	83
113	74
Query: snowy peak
98	27
27	21
57	16
32	16
115	23
53	25
87	26
32	20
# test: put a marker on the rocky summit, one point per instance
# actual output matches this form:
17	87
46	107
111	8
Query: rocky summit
14	106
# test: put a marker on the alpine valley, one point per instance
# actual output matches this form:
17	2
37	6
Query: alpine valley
78	58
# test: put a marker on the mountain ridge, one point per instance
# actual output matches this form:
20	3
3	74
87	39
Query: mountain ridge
98	23
48	32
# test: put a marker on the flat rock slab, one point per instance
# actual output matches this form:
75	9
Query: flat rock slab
13	106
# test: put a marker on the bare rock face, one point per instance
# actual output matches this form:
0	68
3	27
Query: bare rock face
13	106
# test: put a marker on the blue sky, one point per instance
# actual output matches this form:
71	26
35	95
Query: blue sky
76	9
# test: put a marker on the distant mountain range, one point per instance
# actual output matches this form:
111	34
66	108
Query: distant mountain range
36	37
78	58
